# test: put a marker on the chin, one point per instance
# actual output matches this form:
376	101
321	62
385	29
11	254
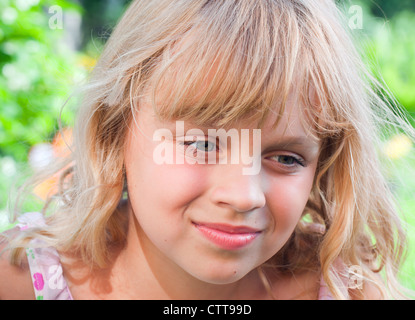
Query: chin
220	275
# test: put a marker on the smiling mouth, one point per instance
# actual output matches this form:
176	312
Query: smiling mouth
226	236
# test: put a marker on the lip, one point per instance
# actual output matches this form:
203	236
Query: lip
226	236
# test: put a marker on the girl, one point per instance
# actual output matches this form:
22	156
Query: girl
317	221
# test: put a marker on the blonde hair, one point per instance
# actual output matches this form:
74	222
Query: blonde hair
219	61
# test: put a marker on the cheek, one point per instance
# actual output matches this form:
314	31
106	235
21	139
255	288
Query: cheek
161	186
175	185
160	193
286	199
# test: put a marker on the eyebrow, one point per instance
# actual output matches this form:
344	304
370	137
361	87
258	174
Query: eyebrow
303	142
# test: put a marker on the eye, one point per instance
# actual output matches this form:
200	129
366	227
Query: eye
206	149
201	145
205	146
288	161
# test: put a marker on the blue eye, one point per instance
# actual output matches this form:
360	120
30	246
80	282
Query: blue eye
201	145
289	161
205	146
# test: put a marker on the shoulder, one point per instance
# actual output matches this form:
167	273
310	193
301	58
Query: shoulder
368	292
371	292
15	280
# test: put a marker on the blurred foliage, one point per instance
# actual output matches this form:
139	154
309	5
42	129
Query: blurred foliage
388	8
100	17
393	44
390	46
36	72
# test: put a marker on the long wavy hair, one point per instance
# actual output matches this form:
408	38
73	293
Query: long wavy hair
220	61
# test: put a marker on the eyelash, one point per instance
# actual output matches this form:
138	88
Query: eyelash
191	142
297	160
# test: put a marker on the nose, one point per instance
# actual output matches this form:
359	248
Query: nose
242	193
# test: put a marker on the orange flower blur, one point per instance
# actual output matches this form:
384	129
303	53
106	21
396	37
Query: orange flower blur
60	144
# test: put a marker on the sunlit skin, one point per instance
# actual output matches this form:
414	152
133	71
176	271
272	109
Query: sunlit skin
167	256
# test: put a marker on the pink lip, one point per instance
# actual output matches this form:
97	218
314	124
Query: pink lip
226	236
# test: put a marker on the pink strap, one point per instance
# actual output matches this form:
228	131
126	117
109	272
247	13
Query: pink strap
44	264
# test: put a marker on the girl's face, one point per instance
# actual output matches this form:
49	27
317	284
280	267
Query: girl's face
214	221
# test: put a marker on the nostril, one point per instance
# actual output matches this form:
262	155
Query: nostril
238	199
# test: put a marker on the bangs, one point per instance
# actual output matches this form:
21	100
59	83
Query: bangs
240	64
